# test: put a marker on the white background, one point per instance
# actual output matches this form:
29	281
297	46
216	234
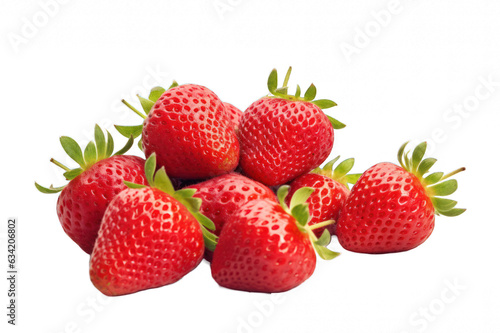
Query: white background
406	79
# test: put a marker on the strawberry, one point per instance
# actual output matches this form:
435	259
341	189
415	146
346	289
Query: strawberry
149	237
392	208
223	195
92	186
190	131
284	136
234	114
269	247
330	191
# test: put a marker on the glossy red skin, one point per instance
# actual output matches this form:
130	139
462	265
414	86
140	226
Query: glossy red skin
388	210
281	140
325	202
234	114
147	240
223	195
191	133
261	249
82	203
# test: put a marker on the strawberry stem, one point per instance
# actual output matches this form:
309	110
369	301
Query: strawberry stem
321	224
59	164
453	173
133	109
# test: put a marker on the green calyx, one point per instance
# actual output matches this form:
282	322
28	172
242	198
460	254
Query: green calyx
146	104
159	180
309	95
436	184
340	173
299	209
95	151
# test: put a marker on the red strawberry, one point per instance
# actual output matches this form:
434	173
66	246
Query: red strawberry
149	237
268	247
330	192
223	195
190	131
234	114
284	136
93	185
392	208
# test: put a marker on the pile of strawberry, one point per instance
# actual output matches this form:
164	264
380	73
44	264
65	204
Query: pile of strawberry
242	189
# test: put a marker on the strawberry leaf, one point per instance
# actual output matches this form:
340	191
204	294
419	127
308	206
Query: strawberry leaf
149	168
162	182
300	196
325	253
325	238
110	146
72	174
335	123
90	153
127	146
156	93
146	104
310	93
445	188
100	142
50	189
133	185
301	214
324	103
272	81
127	131
72	149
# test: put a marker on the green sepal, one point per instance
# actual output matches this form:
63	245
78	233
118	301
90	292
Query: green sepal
329	166
133	185
162	182
310	93
436	184
146	104
444	188
324	103
325	253
193	204
110	145
453	212
204	221
300	196
127	146
340	174
324	239
281	194
272	81
139	144
156	93
335	123
417	156
401	151
353	178
72	174
100	143
150	168
90	153
185	193
127	131
425	166
301	213
297	91
210	239
50	189
443	204
433	178
343	168
173	85
73	150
